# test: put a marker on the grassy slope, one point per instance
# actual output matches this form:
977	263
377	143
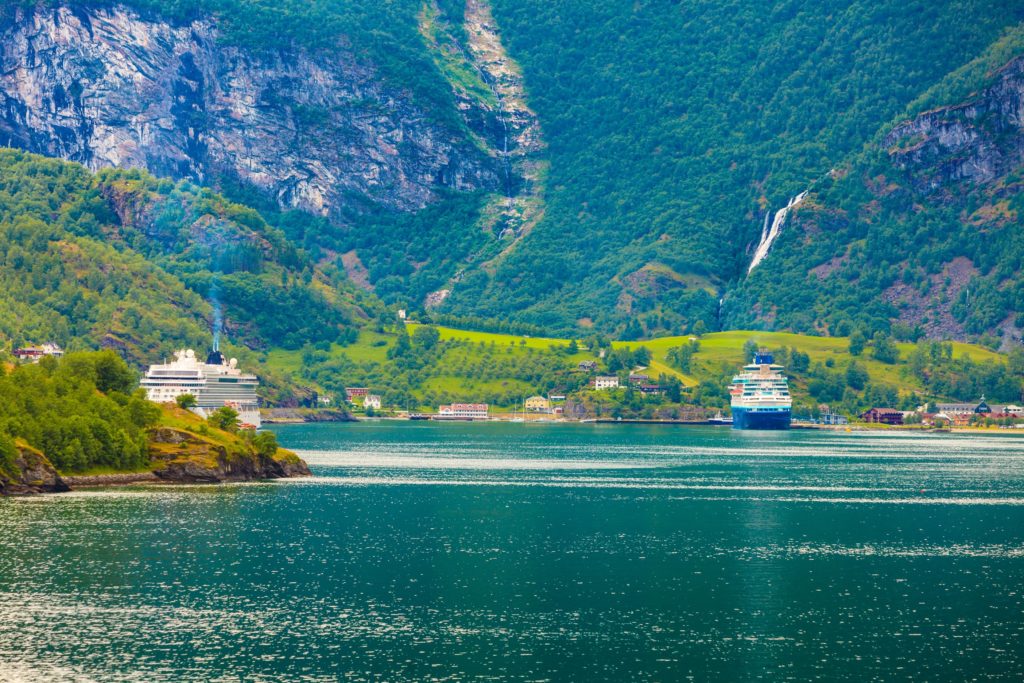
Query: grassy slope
718	351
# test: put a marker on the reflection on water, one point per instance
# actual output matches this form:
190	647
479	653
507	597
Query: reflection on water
528	552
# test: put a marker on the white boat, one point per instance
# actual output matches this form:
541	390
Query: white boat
215	384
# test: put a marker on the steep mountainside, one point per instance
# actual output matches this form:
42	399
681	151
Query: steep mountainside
122	260
924	229
573	166
315	129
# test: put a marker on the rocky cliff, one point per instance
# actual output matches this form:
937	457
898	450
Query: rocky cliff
30	472
317	130
920	235
974	142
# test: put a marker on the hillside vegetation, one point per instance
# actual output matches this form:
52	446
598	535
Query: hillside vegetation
671	129
86	414
426	366
125	261
920	234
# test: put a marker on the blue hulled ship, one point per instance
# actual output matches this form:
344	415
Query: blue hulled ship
760	395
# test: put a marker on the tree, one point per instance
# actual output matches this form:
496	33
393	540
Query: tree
426	337
883	349
799	361
185	401
265	444
225	418
750	348
1016	361
856	376
857	342
402	345
642	356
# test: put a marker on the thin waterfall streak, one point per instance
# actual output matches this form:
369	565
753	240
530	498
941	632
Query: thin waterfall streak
768	239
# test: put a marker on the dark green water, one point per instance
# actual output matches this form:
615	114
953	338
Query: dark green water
536	552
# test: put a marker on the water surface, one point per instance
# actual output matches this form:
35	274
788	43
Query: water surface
425	551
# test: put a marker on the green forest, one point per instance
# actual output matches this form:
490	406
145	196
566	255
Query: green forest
671	128
84	411
126	261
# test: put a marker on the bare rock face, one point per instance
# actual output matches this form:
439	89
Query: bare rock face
33	474
109	87
974	142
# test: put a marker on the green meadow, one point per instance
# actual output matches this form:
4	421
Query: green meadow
502	369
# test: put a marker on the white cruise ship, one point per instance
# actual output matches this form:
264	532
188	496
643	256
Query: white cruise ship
760	395
215	383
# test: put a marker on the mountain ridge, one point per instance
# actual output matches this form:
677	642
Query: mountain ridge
649	144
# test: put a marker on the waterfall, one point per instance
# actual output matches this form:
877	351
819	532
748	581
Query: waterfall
769	235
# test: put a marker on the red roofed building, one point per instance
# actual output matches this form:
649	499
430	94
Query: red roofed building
885	416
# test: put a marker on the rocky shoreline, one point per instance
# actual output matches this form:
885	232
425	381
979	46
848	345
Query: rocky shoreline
299	415
177	456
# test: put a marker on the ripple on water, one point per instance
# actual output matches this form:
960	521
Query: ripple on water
621	553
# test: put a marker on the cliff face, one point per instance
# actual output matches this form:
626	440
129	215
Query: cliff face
109	87
926	236
32	472
974	142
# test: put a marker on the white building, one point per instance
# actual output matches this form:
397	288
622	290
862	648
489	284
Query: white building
464	411
32	354
602	382
371	401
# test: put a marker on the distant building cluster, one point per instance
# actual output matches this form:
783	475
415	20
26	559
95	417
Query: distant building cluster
955	414
32	354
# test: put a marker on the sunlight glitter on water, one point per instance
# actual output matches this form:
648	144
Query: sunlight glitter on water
488	551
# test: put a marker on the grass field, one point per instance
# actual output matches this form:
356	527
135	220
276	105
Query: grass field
719	353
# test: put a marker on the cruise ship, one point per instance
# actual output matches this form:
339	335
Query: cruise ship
215	383
760	395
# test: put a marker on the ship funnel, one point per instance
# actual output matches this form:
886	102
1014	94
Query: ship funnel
763	357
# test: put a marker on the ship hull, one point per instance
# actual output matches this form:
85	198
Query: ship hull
771	418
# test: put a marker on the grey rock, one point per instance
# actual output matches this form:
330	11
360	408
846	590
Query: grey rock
318	131
965	145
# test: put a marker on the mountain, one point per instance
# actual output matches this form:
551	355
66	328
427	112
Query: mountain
568	166
922	229
122	260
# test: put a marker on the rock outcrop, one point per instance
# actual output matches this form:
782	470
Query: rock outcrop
32	473
974	142
317	130
181	456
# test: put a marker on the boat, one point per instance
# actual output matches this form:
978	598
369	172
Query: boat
760	395
216	383
720	419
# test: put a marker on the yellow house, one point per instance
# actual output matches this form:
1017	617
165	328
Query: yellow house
538	404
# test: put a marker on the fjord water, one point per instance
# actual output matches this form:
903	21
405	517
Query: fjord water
425	551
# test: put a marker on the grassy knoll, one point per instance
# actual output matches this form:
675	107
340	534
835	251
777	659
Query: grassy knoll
502	368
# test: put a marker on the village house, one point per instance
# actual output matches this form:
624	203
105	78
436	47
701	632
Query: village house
537	404
636	378
587	365
371	401
887	416
830	418
602	382
979	408
652	389
463	411
355	394
32	354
